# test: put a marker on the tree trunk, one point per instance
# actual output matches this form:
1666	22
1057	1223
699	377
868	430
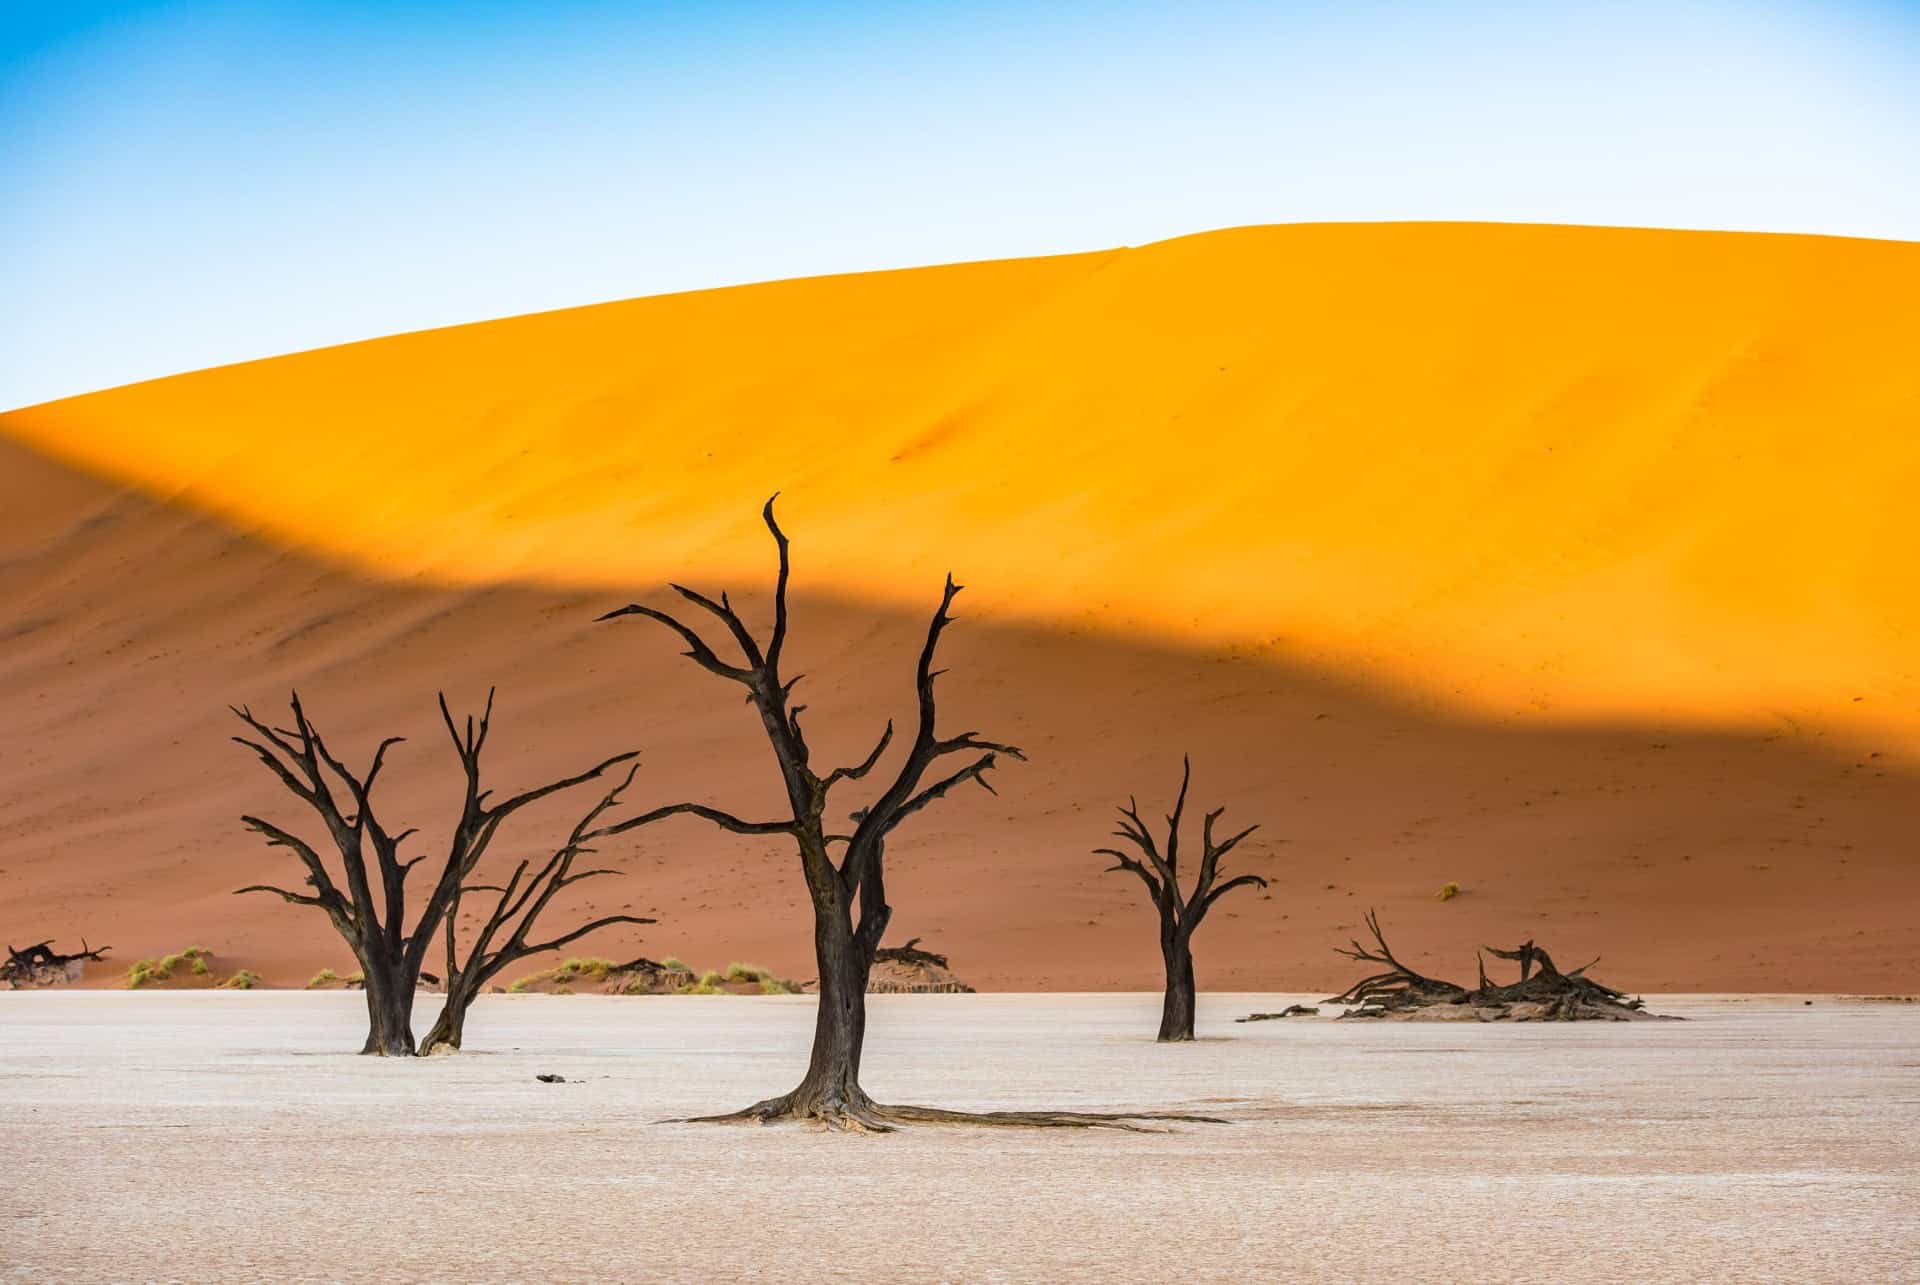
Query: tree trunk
449	1028
832	1083
389	993
1176	1012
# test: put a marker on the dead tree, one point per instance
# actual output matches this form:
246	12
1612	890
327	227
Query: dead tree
521	900
40	964
371	911
1180	914
850	909
1543	993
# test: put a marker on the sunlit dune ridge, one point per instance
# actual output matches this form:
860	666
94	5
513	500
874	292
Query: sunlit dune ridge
1542	471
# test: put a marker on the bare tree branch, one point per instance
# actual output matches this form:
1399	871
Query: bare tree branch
725	820
697	648
735	626
296	897
779	639
865	765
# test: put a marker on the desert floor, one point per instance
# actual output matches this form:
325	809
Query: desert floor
226	1136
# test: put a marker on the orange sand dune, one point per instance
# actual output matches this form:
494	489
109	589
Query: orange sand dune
1565	473
1692	860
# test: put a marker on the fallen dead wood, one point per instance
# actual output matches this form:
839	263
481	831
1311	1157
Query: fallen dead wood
41	965
908	954
1291	1010
1543	993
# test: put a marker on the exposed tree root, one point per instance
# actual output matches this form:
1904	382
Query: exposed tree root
855	1112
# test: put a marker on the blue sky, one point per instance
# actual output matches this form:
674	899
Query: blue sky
186	184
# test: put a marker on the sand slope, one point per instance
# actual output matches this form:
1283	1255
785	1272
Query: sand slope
1695	861
1569	564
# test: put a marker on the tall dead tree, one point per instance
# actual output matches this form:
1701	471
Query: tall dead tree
371	912
850	909
1180	914
521	900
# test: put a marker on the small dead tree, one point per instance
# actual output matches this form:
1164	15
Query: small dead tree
1180	914
850	909
371	912
521	901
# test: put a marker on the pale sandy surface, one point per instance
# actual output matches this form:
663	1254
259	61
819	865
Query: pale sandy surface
224	1136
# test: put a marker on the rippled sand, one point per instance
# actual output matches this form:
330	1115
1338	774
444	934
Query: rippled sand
202	1136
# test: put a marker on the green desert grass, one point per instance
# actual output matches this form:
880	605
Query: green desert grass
591	968
322	978
244	980
707	984
146	972
1449	890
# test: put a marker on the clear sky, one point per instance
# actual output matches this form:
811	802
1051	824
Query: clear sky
186	184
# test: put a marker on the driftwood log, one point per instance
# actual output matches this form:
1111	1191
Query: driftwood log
41	965
1543	993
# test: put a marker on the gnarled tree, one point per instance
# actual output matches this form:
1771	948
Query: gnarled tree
850	909
370	913
1180	913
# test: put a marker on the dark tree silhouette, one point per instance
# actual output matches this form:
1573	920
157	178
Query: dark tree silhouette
1179	915
850	909
372	916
